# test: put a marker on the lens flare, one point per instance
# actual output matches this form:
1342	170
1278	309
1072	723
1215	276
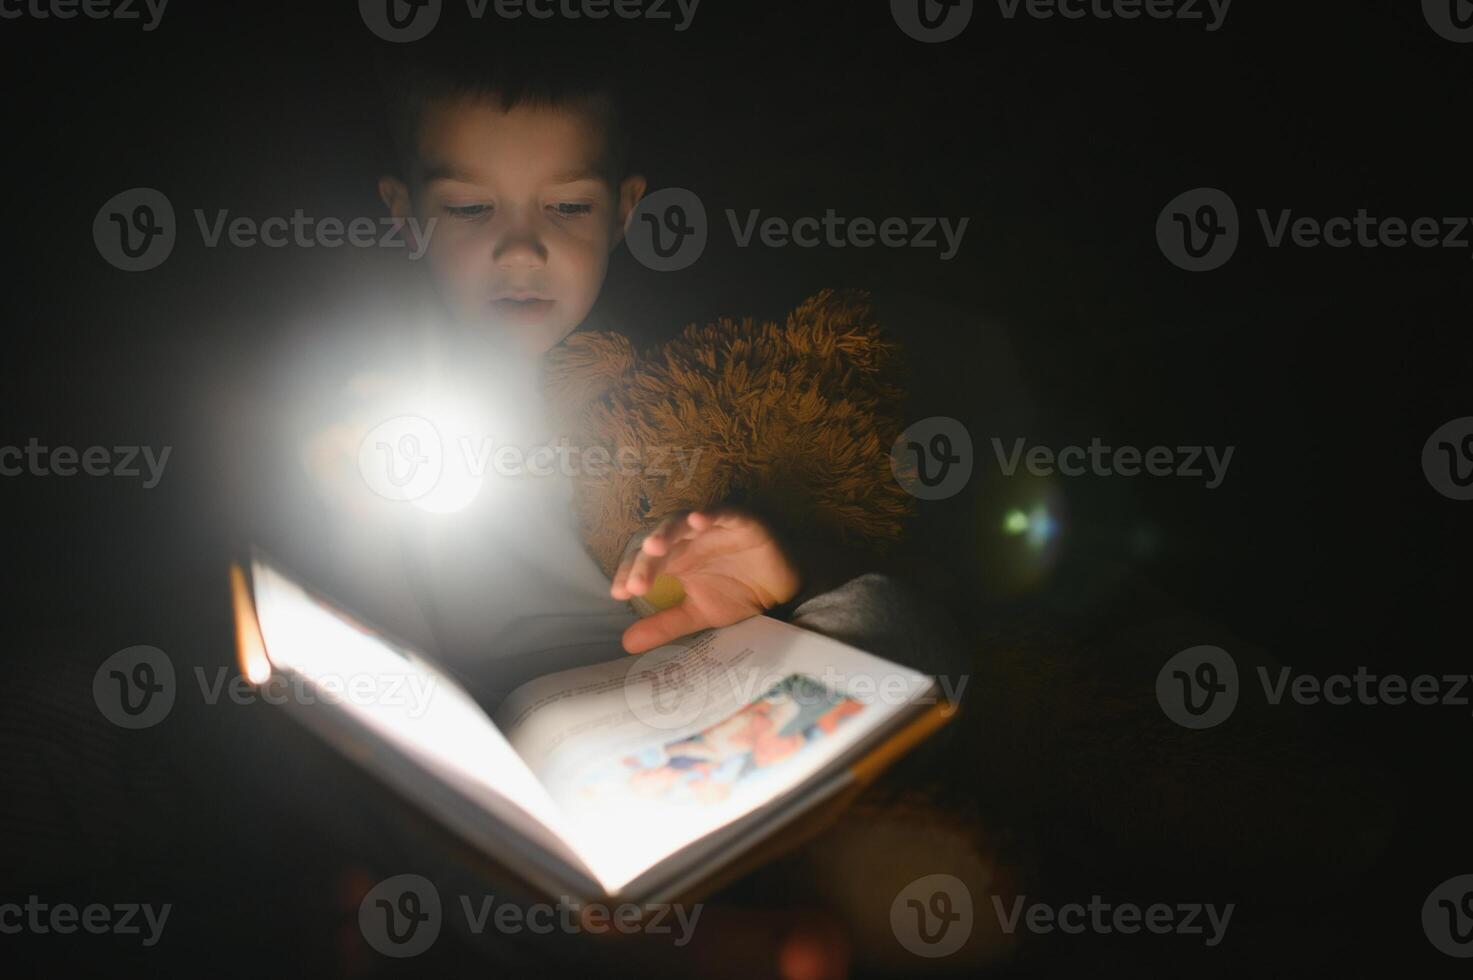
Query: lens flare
1022	532
1037	526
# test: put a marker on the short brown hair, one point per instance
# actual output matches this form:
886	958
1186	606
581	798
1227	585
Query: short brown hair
509	71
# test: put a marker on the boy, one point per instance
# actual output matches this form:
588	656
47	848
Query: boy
521	168
532	192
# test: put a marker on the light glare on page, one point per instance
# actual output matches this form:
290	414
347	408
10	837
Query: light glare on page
398	695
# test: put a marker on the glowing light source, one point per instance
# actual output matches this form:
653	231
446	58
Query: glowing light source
427	457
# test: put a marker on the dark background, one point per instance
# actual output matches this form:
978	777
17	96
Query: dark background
1060	140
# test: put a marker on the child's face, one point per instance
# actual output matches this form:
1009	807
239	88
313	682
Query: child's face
525	220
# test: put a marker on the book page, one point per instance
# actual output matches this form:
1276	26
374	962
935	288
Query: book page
650	753
326	656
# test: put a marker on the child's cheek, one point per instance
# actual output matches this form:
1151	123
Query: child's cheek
458	263
578	267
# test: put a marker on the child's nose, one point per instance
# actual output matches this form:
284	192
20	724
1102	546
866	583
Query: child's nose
519	249
517	242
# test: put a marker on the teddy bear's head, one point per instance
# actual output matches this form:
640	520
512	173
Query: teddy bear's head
792	420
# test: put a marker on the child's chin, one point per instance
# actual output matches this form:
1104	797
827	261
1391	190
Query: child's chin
526	338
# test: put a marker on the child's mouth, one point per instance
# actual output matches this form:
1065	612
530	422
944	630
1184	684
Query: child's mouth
528	310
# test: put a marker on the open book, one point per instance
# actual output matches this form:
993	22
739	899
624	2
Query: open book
638	778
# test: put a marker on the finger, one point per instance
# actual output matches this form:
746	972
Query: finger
726	515
674	560
660	528
670	531
650	571
661	628
643	571
619	589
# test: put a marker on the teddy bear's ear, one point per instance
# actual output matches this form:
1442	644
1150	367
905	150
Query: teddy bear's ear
839	326
584	366
836	331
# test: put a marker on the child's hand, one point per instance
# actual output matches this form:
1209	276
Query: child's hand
729	564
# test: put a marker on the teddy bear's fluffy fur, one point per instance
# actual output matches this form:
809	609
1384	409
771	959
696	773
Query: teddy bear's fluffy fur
793	421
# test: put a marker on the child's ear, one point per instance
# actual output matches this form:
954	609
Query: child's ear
395	195
631	189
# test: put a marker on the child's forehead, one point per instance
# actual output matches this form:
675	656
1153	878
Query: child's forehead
473	139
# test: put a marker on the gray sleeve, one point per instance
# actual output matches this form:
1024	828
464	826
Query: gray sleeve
879	615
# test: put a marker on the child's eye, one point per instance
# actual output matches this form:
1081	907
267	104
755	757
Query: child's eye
571	210
467	211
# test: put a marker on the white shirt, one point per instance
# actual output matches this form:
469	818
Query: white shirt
504	585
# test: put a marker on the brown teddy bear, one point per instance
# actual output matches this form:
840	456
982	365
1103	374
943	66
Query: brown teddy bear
795	422
792	421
